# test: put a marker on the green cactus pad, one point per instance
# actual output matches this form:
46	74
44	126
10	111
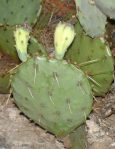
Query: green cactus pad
6	64
15	12
77	138
4	83
7	43
107	7
54	94
88	13
94	57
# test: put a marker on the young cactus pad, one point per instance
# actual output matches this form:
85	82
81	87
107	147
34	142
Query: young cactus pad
21	36
107	7
94	58
87	13
14	12
63	37
54	94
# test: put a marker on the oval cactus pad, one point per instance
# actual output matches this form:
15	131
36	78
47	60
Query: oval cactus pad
15	12
87	13
54	94
94	57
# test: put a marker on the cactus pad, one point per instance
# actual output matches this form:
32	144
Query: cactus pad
77	138
7	41
15	12
94	58
4	83
87	13
54	94
107	7
6	65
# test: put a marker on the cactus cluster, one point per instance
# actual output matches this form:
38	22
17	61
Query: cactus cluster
53	93
56	93
95	11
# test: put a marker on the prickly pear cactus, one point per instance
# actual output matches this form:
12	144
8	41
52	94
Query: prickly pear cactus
107	7
94	57
87	13
17	12
54	94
